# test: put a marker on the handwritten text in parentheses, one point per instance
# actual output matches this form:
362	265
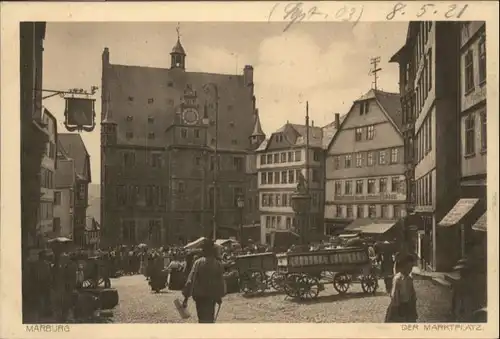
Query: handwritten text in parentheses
427	11
296	12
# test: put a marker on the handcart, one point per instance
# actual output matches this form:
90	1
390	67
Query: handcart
95	272
306	273
257	272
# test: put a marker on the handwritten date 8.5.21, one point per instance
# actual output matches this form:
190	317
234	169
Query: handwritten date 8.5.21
296	12
428	11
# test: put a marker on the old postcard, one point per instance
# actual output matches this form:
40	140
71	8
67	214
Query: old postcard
317	165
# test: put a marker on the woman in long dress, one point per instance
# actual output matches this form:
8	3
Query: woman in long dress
403	305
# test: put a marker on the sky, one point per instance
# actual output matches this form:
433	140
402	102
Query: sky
325	63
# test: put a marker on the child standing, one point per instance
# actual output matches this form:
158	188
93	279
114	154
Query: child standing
403	306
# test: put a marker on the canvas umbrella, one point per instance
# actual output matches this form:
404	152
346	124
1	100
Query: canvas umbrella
195	244
59	240
355	243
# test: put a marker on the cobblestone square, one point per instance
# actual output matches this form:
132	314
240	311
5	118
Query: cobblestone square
139	305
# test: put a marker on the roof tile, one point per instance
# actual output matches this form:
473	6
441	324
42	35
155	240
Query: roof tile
137	93
73	146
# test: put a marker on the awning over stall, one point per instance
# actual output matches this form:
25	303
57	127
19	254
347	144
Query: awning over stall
481	224
458	212
377	228
368	226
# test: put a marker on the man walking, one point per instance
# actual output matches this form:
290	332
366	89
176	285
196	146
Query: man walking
205	283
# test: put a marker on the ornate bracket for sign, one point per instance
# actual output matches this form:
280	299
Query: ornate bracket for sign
74	94
73	91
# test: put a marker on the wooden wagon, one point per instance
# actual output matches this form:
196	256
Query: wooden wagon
257	272
306	273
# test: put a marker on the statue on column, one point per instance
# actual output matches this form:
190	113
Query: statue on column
301	184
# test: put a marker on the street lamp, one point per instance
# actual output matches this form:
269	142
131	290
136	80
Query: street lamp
206	88
240	202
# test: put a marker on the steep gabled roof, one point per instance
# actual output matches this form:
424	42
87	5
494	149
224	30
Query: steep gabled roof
315	135
297	137
72	144
390	103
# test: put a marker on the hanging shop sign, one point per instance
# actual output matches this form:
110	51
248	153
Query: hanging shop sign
79	114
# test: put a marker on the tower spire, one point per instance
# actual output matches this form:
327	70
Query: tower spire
178	55
257	136
178	29
257	128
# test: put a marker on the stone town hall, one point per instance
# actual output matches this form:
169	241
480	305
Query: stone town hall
158	140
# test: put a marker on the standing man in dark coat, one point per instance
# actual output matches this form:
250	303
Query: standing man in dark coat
205	283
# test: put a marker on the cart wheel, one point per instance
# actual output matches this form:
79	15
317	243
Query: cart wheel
106	282
291	285
341	282
309	287
369	283
88	283
251	282
278	281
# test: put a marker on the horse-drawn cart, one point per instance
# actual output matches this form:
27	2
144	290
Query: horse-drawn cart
257	272
306	273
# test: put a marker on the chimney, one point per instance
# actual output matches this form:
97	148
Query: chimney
337	120
105	56
248	75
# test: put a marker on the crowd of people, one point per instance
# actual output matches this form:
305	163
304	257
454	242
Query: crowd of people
55	276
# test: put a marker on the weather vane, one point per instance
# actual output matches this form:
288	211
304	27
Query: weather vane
178	29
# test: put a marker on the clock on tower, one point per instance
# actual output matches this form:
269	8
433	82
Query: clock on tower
190	116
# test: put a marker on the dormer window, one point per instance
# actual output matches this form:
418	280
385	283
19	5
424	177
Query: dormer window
151	100
130	118
364	107
279	137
